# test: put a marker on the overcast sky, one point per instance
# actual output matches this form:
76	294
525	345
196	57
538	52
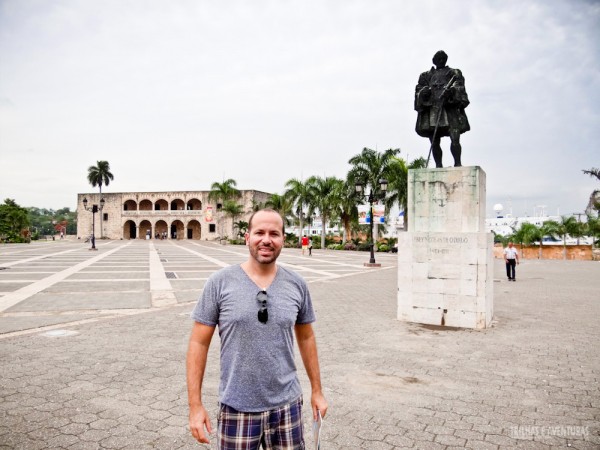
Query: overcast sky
177	95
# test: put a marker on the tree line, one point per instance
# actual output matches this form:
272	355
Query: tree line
568	226
336	200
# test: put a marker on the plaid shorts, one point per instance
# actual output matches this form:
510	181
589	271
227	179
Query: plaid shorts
277	429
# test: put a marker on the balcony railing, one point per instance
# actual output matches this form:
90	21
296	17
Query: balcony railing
170	212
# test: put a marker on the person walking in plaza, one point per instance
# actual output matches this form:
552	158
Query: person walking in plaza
511	258
309	247
304	244
258	306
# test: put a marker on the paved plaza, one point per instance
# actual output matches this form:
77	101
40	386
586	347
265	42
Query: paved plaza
93	343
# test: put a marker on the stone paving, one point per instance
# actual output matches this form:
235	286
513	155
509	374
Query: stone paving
92	350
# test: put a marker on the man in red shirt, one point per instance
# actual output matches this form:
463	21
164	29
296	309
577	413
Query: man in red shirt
304	244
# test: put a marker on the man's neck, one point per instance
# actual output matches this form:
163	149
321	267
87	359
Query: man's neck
261	274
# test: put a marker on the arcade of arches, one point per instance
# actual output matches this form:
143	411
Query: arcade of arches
161	228
161	215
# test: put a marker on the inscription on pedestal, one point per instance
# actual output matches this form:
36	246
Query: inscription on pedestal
444	260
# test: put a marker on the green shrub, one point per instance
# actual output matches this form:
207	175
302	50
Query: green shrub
291	238
364	247
383	248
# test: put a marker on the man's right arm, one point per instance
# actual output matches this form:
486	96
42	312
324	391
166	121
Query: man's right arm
196	364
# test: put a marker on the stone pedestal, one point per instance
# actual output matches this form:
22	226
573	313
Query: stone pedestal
445	259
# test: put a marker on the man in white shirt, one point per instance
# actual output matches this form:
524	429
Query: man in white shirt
511	258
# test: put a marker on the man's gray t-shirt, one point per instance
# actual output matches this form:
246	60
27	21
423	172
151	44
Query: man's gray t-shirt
258	372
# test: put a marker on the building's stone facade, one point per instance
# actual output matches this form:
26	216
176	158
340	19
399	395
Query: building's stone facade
173	215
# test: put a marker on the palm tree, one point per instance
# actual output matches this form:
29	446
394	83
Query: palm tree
283	205
577	230
299	193
548	228
325	197
527	234
348	212
398	183
99	175
242	227
593	172
231	208
370	167
566	226
222	192
592	228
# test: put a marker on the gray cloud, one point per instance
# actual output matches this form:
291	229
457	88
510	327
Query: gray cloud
177	95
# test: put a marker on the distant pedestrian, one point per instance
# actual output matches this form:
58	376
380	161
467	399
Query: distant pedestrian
309	247
511	258
304	244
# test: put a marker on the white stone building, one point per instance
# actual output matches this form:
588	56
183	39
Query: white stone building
174	215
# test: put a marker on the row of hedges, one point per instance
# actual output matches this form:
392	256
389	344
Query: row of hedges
361	247
331	243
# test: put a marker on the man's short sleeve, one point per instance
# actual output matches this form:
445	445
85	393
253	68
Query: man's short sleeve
206	310
306	314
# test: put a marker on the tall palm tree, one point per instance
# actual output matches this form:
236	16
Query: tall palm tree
299	193
566	226
370	167
593	172
348	211
99	175
325	197
232	209
594	203
283	205
398	183
527	234
223	192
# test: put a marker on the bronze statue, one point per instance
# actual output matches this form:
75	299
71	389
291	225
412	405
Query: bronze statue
440	101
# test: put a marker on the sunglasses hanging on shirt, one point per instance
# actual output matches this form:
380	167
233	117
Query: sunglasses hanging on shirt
263	312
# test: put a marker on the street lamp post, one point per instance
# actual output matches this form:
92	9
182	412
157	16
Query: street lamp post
371	198
94	209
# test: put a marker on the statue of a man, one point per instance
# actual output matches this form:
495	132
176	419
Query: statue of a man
440	100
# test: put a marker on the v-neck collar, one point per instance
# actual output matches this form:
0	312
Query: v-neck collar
261	288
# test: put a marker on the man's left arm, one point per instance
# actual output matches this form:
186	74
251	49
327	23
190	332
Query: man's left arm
307	344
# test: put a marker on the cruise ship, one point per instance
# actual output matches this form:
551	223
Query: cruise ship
506	224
